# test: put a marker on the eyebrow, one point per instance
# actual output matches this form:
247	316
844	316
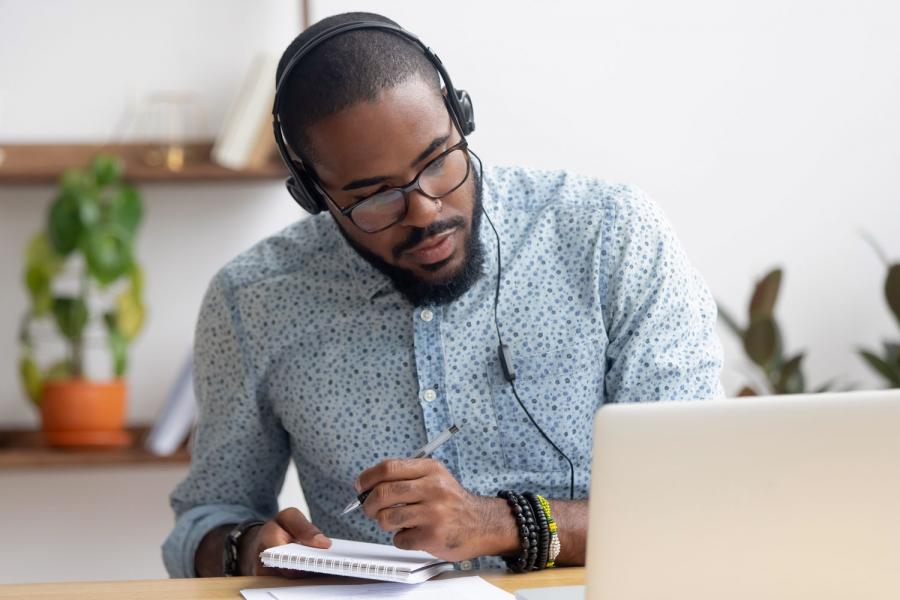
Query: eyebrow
361	183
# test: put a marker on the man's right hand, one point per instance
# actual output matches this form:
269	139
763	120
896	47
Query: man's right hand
288	526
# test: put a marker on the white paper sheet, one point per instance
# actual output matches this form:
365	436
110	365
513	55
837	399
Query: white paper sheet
457	588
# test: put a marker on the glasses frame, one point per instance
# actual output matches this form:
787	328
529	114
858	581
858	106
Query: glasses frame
405	190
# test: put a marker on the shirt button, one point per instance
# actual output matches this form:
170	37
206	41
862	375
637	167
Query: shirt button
429	395
426	315
465	565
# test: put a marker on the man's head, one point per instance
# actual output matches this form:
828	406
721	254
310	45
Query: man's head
365	112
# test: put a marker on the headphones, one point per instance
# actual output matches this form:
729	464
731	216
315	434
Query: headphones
301	184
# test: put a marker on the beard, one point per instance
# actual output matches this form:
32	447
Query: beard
418	291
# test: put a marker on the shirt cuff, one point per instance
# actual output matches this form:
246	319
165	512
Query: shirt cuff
191	527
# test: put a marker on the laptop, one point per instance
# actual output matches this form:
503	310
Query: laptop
769	498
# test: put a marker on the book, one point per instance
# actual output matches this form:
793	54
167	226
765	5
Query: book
176	419
246	138
357	559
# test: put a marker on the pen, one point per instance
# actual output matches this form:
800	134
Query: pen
421	453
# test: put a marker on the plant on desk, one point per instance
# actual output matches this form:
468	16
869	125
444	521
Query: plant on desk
762	342
888	364
90	229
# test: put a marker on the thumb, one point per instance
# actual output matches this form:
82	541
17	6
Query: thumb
299	527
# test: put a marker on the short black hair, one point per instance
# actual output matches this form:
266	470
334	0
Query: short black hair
347	69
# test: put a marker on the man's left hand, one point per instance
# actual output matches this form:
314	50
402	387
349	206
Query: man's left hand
429	510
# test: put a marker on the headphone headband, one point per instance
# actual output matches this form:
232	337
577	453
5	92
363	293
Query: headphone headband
300	184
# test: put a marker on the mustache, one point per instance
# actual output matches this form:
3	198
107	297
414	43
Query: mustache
417	235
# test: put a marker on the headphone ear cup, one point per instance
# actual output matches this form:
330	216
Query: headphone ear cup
467	118
304	194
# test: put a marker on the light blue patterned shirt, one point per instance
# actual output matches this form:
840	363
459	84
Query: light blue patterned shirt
305	352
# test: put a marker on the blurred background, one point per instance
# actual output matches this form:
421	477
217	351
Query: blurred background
768	131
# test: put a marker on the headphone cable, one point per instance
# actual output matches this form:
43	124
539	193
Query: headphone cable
503	352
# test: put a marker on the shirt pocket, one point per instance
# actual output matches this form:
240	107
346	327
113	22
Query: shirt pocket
561	388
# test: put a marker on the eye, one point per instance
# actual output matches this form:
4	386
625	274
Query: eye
437	165
367	196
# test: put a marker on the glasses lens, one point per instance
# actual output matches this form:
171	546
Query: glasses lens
445	174
437	180
380	211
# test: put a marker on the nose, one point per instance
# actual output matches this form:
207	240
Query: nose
422	210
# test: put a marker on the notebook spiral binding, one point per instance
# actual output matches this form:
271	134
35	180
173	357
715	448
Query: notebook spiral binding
336	566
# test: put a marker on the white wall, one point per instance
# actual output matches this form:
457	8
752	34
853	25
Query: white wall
768	131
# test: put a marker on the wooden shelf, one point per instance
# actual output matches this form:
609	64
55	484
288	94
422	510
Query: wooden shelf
25	449
44	163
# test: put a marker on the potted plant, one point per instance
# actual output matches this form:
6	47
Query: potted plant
763	344
89	234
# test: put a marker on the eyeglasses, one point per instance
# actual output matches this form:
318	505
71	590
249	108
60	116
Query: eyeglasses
443	175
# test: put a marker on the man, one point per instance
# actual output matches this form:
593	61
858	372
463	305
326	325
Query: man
351	338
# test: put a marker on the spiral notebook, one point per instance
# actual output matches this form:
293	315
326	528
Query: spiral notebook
357	559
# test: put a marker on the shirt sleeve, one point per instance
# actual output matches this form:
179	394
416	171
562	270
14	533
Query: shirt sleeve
240	450
659	314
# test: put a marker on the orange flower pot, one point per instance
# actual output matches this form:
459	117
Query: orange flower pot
80	412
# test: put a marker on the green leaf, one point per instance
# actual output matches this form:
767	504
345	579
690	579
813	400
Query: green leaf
118	343
31	379
76	181
761	341
892	354
729	321
791	380
88	211
107	250
762	303
106	169
64	223
118	346
42	263
37	280
125	209
40	252
892	289
889	372
137	280
71	316
129	314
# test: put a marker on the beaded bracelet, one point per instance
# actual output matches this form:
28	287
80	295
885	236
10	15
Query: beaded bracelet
543	529
554	533
533	533
519	563
538	532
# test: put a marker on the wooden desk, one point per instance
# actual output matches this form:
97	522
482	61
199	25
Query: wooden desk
215	588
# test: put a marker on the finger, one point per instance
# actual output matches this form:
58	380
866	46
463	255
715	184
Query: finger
390	493
395	469
300	529
410	539
270	535
395	518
